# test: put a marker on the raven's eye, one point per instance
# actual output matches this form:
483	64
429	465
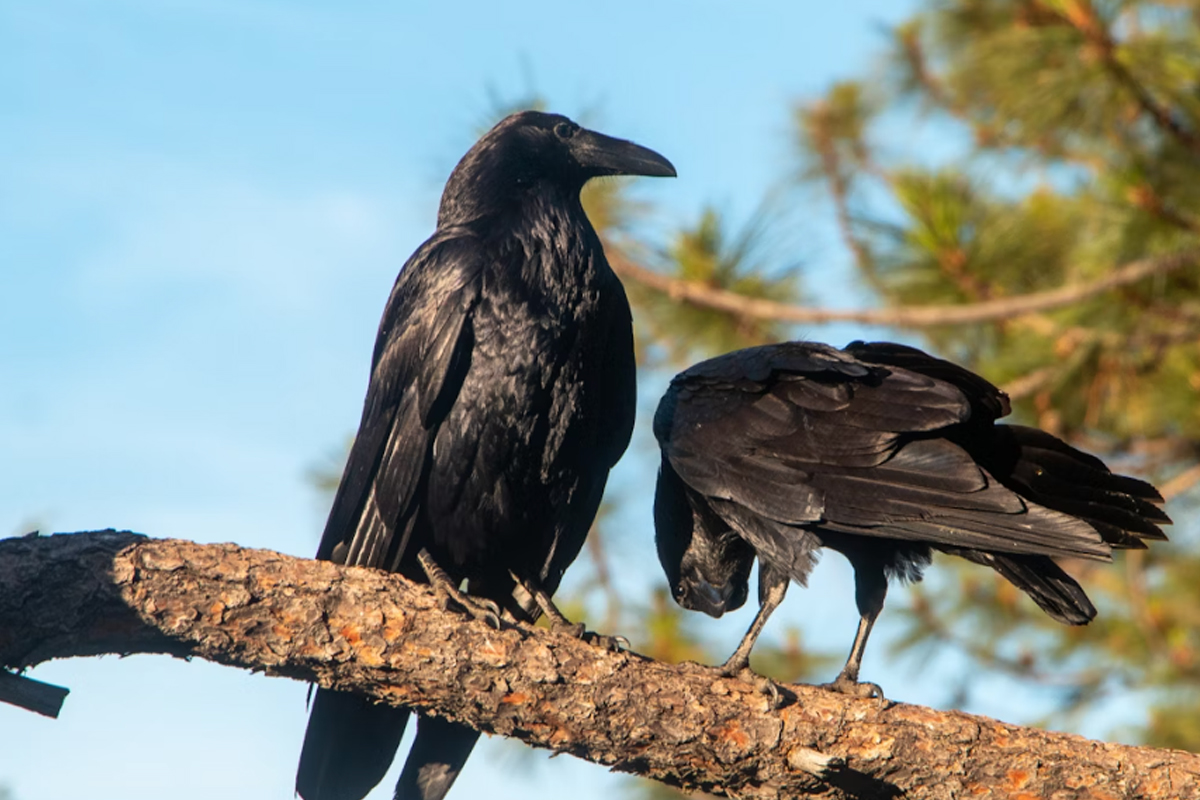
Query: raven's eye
564	130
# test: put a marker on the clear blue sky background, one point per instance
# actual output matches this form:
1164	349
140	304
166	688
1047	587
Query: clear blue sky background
203	205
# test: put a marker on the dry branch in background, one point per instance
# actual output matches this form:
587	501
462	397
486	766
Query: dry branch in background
702	294
350	628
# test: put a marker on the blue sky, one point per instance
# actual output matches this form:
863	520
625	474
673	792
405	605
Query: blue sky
204	206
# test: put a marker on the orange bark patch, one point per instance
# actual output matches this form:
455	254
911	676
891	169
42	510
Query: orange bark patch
733	734
393	628
350	633
515	699
264	581
492	652
560	737
1017	778
369	656
399	693
1000	738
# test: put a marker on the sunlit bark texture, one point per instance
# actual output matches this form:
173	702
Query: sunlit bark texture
108	592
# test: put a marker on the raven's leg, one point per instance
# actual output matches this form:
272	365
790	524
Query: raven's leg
870	584
772	586
559	622
478	607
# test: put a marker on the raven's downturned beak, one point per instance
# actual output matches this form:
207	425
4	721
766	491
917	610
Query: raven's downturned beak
703	596
605	155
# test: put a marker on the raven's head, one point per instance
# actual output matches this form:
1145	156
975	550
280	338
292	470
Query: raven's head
707	564
531	149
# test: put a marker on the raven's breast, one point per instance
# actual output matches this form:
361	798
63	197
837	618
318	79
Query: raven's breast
511	460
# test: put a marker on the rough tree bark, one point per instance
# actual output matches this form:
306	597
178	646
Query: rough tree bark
349	628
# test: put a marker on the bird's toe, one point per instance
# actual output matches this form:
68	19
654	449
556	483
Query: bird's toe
613	644
576	630
853	688
767	687
484	610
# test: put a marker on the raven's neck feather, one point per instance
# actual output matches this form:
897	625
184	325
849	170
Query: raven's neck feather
547	241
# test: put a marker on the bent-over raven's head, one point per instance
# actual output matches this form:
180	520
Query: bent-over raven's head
706	563
531	149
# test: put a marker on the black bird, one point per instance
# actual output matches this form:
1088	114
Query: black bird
502	391
882	453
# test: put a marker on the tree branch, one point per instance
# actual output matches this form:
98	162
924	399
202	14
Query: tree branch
822	138
910	316
368	631
1082	16
1182	482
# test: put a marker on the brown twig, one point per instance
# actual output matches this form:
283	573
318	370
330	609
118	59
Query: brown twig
839	189
1181	483
1027	384
911	316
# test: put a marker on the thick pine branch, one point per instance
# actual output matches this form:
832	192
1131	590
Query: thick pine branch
1003	308
349	628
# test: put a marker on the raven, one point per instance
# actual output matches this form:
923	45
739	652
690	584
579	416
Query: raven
882	453
502	392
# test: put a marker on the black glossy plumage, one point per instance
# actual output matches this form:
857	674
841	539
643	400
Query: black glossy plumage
883	453
502	391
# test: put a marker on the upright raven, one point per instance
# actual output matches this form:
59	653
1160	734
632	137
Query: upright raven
501	393
882	453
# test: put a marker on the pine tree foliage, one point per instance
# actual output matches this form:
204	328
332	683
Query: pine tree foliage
1082	124
708	254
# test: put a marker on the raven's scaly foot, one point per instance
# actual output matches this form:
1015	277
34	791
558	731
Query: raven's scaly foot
560	624
767	686
479	608
848	686
742	672
613	644
576	630
733	668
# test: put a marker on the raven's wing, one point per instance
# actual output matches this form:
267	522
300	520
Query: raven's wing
803	434
988	403
422	353
1036	465
619	368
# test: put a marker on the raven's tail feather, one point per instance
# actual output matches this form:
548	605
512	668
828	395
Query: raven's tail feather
438	754
1044	581
348	746
1046	470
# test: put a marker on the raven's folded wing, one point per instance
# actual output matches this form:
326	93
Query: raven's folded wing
421	357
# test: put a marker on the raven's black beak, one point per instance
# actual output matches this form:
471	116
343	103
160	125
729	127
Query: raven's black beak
605	155
703	596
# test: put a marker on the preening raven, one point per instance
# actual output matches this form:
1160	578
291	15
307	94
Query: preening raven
882	453
501	393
